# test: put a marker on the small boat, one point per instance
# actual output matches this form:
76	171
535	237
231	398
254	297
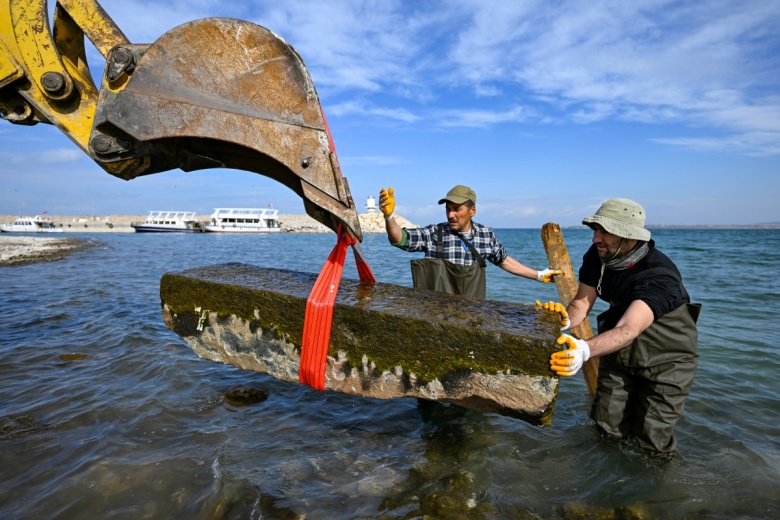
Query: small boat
168	222
243	220
36	224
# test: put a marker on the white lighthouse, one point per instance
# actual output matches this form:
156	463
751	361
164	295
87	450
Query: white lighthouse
370	205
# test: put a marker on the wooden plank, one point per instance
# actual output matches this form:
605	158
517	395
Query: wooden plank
558	258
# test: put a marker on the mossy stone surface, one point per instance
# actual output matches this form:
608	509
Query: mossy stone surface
428	333
386	340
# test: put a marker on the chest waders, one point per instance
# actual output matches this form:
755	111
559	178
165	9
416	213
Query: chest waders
642	388
437	274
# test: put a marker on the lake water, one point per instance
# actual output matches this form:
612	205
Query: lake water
104	413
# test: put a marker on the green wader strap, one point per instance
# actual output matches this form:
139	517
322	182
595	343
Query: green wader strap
437	274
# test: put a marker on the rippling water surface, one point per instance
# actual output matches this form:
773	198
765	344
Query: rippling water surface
104	413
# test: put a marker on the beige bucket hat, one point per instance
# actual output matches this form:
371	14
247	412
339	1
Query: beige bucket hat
621	217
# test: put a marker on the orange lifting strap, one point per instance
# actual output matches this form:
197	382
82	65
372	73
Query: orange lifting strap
318	319
319	310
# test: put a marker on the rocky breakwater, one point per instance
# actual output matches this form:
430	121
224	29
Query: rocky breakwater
289	223
369	223
387	341
15	250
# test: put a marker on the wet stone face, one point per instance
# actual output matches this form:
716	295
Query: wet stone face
386	340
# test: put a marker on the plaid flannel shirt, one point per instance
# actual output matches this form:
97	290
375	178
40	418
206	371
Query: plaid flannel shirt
454	250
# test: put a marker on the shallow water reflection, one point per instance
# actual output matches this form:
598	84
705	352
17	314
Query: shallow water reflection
105	413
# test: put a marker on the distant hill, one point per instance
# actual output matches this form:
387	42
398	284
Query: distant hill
717	226
768	225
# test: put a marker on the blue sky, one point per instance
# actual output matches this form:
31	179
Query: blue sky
545	108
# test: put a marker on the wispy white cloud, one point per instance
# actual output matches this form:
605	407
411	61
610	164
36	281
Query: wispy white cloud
753	143
354	45
646	61
12	158
433	117
372	160
368	110
480	118
61	155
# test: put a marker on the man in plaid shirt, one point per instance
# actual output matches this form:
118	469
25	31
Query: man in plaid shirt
463	241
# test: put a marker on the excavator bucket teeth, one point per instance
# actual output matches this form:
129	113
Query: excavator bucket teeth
221	93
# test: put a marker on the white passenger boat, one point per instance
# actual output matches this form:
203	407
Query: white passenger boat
36	224
168	222
243	220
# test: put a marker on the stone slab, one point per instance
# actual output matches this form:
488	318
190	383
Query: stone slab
387	341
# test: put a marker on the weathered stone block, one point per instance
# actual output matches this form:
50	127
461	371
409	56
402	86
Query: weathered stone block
387	340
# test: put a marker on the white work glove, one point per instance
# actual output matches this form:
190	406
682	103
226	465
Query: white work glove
568	362
545	275
560	309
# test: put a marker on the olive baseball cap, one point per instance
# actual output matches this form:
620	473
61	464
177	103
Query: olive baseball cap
460	194
621	217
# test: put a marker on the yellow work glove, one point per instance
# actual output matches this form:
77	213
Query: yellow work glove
560	309
387	202
568	362
545	275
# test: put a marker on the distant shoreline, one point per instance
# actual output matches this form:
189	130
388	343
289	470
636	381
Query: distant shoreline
289	223
302	223
700	226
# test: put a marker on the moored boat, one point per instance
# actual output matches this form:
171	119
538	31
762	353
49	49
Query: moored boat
243	220
168	222
36	224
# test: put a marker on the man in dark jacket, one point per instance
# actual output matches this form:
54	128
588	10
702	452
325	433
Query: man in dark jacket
647	339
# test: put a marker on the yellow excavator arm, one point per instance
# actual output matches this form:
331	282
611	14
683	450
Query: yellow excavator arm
211	93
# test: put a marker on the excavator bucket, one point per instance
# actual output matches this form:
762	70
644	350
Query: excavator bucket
212	93
221	93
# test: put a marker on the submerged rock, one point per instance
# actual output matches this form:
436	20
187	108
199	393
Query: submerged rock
12	427
386	341
244	396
